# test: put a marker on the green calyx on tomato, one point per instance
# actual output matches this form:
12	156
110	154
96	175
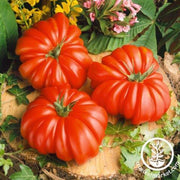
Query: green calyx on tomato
62	110
54	53
74	137
140	77
127	83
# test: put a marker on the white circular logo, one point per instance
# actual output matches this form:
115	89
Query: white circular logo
157	154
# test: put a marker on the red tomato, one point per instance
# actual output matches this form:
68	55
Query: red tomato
127	83
66	122
52	54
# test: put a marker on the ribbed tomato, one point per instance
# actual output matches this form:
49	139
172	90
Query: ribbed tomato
127	83
66	122
52	54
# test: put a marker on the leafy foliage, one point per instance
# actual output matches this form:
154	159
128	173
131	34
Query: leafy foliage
170	14
130	149
118	128
148	8
11	124
170	127
25	174
136	136
9	79
176	58
100	43
143	33
5	163
129	159
21	93
174	168
169	27
151	175
44	159
8	33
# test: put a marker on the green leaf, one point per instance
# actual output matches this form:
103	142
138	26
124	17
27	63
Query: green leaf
117	141
167	37
160	133
9	31
131	146
172	10
21	93
129	159
163	119
44	159
3	45
178	178
168	129
172	44
86	28
9	20
12	80
2	149
148	134
118	128
101	43
175	45
105	141
148	8
124	169
3	78
151	175
135	134
6	163
93	35
11	124
25	174
177	109
148	39
176	123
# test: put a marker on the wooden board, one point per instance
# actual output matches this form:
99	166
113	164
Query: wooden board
104	165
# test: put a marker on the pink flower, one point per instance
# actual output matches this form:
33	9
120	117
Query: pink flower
117	28
87	4
127	3
137	7
133	11
126	28
119	16
117	3
133	21
99	3
92	16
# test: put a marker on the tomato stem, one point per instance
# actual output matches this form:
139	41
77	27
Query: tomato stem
54	53
62	110
140	77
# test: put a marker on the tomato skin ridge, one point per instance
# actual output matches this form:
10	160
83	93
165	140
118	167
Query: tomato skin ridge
54	38
145	98
74	137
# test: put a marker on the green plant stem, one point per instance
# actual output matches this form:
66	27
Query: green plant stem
22	13
12	153
11	67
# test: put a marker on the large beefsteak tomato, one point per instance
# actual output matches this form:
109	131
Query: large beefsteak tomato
127	83
52	54
66	122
